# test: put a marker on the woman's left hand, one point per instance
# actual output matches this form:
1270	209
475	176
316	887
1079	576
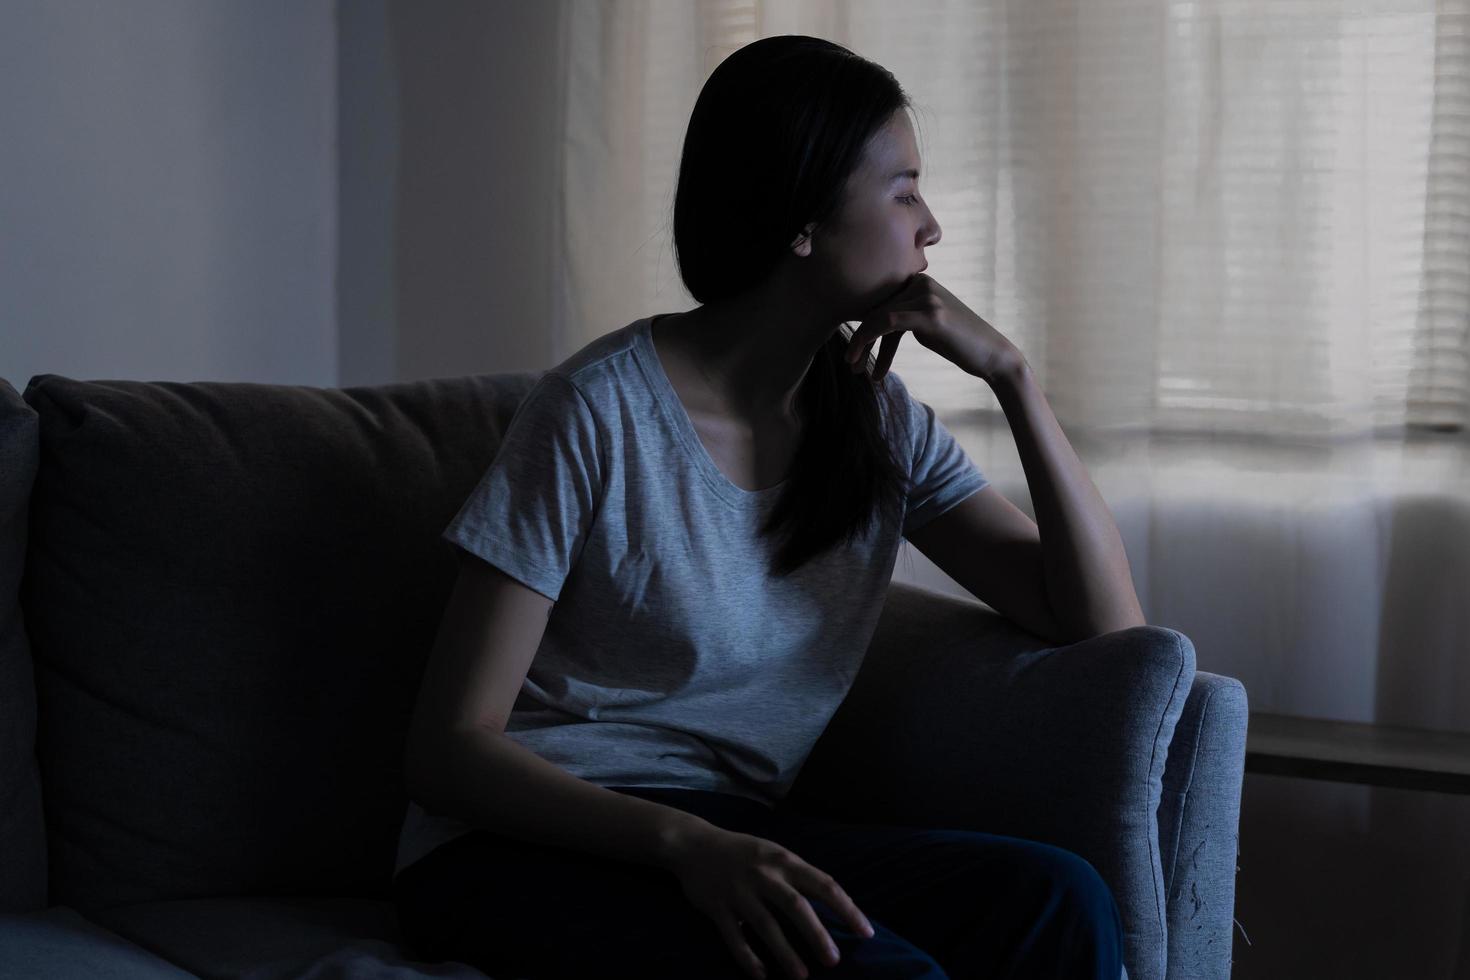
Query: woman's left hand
941	323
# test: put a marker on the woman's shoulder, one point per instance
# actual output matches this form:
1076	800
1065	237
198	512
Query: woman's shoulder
612	353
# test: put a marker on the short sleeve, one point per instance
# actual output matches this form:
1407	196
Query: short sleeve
942	473
531	512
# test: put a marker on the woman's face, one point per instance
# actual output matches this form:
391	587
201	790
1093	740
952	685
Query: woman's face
876	243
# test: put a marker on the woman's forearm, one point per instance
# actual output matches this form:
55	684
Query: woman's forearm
1088	581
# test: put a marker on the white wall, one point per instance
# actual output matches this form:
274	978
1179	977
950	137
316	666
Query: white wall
367	176
474	190
168	190
318	192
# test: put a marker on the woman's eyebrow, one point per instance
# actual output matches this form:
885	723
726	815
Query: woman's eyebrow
904	173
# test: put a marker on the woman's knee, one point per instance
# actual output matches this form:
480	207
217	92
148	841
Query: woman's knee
1077	888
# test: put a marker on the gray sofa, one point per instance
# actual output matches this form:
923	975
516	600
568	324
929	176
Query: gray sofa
215	604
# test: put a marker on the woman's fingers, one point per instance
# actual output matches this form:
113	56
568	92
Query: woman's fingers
884	330
744	955
888	347
886	351
799	910
740	880
770	930
825	887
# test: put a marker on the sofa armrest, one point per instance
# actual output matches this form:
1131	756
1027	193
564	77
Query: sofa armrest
1199	826
960	719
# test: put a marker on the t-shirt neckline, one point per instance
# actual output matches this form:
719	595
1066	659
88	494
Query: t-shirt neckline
673	408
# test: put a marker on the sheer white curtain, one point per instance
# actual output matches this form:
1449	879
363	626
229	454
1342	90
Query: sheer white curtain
1232	237
1219	217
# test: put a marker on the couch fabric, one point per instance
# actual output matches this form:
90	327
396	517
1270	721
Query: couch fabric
59	942
229	587
22	832
228	596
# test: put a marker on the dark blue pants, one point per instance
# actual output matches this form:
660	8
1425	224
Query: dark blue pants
943	903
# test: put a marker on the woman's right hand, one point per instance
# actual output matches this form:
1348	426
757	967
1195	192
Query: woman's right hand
735	878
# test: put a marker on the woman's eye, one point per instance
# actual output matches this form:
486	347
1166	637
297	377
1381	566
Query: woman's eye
909	199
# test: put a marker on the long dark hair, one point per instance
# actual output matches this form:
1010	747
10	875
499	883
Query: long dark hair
778	128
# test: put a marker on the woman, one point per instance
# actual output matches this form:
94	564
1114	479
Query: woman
713	501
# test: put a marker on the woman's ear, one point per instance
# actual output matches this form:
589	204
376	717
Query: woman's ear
802	244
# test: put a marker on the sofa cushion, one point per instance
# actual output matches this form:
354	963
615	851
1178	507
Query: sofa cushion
22	828
231	590
279	939
60	942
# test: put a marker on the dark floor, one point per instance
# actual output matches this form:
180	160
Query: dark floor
1348	882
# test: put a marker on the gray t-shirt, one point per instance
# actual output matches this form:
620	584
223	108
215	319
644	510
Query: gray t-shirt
672	656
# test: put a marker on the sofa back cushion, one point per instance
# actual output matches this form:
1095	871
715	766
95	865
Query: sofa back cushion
22	830
231	591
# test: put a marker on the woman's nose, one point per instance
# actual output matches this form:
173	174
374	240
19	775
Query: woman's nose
931	231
